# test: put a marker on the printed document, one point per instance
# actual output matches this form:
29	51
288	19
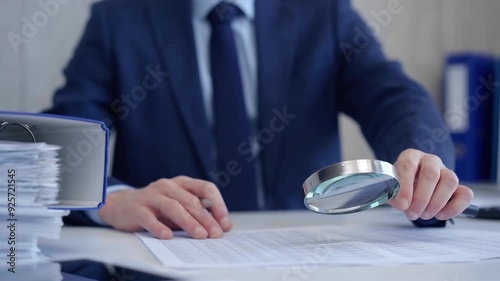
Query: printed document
325	245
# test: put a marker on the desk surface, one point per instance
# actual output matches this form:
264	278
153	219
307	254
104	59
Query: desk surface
106	245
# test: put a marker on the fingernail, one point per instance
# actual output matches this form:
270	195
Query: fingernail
426	216
200	232
215	232
440	216
412	216
165	234
225	223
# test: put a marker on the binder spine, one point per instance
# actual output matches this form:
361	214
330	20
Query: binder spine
468	101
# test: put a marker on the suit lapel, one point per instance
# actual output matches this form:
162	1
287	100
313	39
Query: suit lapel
173	32
276	38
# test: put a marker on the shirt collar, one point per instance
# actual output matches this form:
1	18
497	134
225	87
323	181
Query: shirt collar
201	8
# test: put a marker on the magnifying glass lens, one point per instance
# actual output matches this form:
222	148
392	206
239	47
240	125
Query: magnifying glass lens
353	186
351	193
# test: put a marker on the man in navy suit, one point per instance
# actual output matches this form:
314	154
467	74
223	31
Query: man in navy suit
238	103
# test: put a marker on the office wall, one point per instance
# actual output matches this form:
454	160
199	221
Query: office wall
31	70
418	35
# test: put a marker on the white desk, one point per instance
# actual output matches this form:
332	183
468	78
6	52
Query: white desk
125	249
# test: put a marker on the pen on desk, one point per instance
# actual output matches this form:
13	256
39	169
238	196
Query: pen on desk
471	211
206	203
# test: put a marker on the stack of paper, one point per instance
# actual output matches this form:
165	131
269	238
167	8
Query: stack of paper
29	174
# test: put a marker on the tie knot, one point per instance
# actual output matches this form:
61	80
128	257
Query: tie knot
224	13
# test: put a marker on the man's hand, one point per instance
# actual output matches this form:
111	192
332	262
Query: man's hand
428	189
166	205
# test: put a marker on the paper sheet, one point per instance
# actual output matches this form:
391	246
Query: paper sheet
331	245
29	182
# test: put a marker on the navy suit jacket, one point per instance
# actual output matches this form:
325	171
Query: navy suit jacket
136	69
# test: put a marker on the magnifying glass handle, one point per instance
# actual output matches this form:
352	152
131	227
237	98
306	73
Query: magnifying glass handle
471	211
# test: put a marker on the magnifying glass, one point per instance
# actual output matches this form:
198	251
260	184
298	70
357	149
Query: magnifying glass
354	186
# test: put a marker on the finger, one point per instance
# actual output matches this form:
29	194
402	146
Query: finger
428	176
173	210
445	188
460	200
208	190
150	222
194	206
406	168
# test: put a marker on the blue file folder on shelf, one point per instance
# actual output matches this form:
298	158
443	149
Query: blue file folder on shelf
83	155
495	156
468	111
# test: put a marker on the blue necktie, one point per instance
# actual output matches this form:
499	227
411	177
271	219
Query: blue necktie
236	177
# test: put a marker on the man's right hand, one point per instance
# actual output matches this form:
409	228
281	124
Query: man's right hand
166	205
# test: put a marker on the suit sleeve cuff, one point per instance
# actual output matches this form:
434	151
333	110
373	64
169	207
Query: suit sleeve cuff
94	213
429	223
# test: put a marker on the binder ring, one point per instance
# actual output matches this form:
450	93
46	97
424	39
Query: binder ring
24	126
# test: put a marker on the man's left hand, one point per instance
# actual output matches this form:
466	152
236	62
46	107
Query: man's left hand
427	188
